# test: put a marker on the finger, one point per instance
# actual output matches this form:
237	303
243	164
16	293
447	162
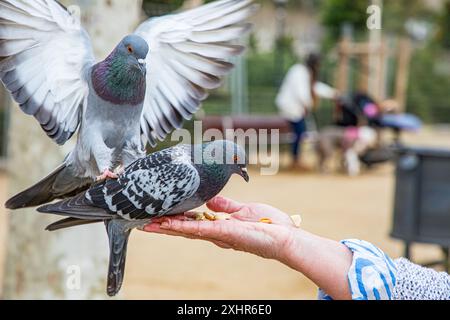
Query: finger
162	219
217	230
221	244
177	217
156	228
225	205
170	233
230	232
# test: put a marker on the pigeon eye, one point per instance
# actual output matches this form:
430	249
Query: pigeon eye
235	159
130	49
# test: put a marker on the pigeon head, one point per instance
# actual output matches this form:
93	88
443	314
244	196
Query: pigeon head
135	49
227	157
120	78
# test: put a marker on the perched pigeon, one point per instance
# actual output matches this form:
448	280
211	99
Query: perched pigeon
152	81
169	182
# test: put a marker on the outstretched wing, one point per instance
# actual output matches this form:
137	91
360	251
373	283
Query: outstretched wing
44	56
150	188
189	54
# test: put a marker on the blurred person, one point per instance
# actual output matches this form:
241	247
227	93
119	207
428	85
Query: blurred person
299	95
351	269
352	142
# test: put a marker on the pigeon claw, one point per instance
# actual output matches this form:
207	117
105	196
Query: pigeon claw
107	174
119	170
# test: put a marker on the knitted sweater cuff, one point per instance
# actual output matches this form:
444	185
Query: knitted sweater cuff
414	282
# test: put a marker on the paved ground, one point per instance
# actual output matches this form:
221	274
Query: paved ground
334	206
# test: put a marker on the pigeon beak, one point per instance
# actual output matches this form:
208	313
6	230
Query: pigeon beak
142	65
244	174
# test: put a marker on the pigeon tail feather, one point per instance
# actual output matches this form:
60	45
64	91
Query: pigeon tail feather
118	233
46	190
78	207
70	223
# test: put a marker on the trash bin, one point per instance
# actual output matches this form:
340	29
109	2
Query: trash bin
422	198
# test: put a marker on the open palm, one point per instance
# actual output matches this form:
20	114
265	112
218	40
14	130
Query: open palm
243	231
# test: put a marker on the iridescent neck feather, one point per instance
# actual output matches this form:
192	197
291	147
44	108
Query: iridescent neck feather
117	81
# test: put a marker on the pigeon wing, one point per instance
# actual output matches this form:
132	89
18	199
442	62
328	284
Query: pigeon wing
44	58
149	188
188	55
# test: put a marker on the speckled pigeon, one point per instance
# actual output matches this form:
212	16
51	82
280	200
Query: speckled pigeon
152	81
172	181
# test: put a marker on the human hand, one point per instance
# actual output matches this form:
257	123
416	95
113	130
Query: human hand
242	232
324	261
337	96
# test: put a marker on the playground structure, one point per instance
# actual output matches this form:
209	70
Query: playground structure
376	89
375	57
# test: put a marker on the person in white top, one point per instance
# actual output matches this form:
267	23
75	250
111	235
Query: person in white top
299	96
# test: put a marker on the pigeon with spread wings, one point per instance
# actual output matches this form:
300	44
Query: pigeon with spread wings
151	82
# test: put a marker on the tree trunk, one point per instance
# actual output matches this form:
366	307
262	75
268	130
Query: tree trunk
70	264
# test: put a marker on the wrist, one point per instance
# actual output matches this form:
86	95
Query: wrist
325	262
291	247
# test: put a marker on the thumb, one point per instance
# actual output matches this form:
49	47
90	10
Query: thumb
225	205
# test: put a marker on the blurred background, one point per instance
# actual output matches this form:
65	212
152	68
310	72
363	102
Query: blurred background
403	68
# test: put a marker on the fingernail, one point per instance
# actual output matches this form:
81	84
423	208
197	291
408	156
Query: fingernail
165	225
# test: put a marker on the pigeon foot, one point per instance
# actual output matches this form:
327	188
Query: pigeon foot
107	175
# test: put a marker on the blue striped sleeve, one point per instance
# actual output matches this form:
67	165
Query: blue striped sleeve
371	275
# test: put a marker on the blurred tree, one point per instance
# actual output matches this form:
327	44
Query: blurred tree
444	26
71	264
336	13
154	8
428	94
397	14
177	3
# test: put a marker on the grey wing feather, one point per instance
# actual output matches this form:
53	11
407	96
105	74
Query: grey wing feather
44	58
151	187
189	54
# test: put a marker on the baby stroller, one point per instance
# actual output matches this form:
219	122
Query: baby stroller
360	109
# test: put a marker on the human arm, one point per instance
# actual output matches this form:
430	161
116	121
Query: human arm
325	262
324	91
351	269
